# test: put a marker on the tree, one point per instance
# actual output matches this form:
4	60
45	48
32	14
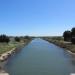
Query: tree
73	35
17	39
67	35
4	38
7	39
73	32
73	40
26	37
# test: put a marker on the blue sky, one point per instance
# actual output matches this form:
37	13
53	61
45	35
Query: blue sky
36	17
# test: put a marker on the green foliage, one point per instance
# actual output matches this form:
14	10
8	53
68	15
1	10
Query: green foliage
4	38
67	36
26	37
57	38
17	39
73	35
73	32
73	40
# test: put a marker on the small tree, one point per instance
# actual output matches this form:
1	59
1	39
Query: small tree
73	35
4	38
17	39
26	37
67	36
7	39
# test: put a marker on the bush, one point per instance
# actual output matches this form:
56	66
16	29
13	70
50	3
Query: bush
73	40
67	36
17	39
7	39
26	37
4	38
73	32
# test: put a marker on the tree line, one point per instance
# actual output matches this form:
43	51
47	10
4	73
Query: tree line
6	39
69	35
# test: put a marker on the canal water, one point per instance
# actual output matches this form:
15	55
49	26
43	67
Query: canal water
40	57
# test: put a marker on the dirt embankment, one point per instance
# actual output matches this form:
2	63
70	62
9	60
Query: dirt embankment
66	45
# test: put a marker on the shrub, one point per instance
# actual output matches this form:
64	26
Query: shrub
17	39
67	36
4	38
73	32
73	40
26	37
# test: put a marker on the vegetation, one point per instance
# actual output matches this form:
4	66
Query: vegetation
17	39
67	41
7	43
4	38
69	35
73	32
27	37
73	40
4	47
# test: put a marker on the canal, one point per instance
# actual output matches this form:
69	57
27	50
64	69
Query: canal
40	57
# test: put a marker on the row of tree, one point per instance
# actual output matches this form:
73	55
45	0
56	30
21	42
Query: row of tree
69	35
6	39
18	39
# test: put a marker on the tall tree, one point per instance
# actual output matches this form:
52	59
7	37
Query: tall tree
73	32
73	35
4	38
67	35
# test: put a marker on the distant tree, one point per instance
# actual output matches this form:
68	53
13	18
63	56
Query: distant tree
4	38
73	35
17	39
73	32
67	36
7	39
26	37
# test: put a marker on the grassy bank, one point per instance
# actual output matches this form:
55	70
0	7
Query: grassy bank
59	41
5	47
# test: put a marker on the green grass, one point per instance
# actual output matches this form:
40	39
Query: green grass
4	47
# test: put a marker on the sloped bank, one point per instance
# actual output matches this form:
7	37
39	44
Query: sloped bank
66	45
2	72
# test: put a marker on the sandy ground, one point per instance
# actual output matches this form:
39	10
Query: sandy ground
3	57
4	74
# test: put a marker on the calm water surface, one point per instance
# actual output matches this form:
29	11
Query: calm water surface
41	58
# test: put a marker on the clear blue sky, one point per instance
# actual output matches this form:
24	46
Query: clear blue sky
36	17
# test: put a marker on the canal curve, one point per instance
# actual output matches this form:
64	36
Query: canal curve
40	57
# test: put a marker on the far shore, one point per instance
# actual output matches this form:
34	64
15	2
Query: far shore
61	43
